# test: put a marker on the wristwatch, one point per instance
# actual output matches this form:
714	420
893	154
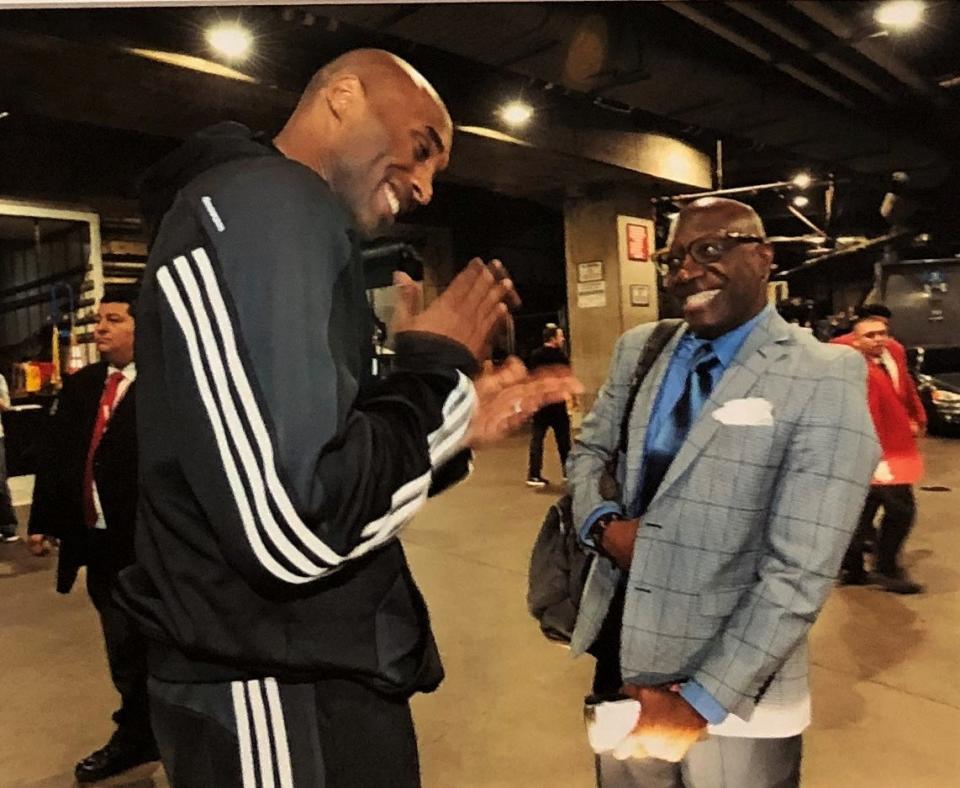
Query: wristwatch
596	531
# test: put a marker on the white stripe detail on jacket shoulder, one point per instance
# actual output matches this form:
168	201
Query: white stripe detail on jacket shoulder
261	734
214	216
242	719
179	309
277	723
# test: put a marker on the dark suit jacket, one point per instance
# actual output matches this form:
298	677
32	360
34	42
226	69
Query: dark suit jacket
57	507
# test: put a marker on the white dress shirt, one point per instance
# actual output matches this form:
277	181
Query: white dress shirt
129	375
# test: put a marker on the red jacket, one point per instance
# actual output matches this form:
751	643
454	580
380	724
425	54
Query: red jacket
893	410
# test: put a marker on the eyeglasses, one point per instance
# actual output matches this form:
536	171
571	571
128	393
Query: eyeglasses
704	251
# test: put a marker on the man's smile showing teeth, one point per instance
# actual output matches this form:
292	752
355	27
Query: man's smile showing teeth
702	298
392	199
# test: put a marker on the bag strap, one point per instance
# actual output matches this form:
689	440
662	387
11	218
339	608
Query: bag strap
662	334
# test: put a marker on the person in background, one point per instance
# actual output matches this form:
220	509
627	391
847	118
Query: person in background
553	416
86	496
898	418
8	518
894	357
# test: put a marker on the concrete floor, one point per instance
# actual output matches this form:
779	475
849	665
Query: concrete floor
885	678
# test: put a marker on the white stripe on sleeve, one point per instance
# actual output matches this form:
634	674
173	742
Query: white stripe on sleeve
169	288
225	404
240	439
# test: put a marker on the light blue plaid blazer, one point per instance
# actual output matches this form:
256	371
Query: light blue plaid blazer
742	542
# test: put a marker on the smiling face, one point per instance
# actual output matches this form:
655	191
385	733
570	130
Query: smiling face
395	138
719	296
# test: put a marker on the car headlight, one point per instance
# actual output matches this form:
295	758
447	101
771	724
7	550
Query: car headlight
939	395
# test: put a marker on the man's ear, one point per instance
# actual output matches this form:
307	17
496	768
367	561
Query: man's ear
344	96
765	251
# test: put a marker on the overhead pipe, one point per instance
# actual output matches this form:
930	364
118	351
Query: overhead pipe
754	13
762	187
866	46
690	12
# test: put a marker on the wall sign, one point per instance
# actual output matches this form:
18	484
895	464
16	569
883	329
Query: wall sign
639	295
590	272
591	295
638	241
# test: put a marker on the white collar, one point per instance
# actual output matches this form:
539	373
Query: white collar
129	371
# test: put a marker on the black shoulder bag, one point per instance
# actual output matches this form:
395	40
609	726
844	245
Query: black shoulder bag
558	564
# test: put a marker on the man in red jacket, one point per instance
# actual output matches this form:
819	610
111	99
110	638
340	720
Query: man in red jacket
898	417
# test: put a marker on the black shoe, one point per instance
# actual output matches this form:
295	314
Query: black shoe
536	481
117	756
853	577
897	583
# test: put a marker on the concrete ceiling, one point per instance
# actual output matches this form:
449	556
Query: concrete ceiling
781	84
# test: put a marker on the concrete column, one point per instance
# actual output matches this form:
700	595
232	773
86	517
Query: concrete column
608	289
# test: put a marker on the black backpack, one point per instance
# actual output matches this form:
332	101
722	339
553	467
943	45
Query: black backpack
558	564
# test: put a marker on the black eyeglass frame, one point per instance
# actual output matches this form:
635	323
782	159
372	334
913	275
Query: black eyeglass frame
666	270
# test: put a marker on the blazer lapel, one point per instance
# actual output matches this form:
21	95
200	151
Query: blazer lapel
640	416
765	345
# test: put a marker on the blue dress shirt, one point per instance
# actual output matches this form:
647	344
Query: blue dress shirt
725	348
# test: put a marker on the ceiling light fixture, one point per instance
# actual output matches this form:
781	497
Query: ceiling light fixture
516	113
194	63
4	114
800	201
230	40
801	180
899	14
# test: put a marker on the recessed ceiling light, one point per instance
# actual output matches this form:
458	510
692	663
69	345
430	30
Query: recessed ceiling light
230	40
801	180
800	201
516	113
899	14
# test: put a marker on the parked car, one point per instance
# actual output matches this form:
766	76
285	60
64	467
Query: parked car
938	381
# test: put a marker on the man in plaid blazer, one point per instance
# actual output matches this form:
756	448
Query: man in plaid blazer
749	453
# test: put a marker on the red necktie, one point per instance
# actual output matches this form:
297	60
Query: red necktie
104	412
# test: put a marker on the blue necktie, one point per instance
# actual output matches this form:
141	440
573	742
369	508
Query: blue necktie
696	392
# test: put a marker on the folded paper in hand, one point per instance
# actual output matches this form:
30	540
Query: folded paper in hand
749	412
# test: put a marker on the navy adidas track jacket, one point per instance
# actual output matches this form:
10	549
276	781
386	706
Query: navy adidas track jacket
275	474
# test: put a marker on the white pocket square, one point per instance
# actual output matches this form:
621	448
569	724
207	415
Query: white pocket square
749	412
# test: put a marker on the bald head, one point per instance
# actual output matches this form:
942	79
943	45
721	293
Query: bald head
377	70
718	211
719	264
377	132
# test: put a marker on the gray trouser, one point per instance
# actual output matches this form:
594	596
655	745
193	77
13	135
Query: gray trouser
717	762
